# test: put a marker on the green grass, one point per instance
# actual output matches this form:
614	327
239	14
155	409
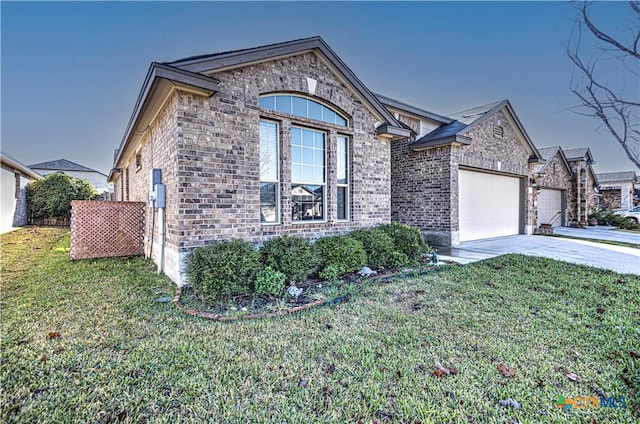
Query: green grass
612	242
123	356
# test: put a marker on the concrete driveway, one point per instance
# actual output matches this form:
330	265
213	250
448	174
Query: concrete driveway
617	258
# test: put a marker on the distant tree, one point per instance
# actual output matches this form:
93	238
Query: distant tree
51	196
601	93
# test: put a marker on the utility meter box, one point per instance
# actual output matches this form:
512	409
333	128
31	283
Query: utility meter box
159	190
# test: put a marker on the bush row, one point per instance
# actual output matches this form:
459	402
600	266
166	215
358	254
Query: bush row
609	218
234	267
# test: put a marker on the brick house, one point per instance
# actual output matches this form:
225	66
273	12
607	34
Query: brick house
285	139
617	189
584	184
464	177
554	180
279	139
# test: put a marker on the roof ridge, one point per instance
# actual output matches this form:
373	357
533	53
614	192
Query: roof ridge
55	164
210	55
492	104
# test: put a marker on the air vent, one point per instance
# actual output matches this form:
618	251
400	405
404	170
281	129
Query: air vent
498	131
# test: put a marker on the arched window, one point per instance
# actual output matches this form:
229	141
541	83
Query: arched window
302	106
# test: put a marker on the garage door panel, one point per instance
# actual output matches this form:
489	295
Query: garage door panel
489	205
549	207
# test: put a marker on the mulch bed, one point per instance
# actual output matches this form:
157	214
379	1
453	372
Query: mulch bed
316	293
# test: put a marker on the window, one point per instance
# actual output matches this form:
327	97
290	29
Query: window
138	161
301	106
343	178
498	131
307	175
269	187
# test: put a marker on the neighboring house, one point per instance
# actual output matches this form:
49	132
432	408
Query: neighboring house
554	187
467	179
64	166
584	184
15	176
279	139
617	189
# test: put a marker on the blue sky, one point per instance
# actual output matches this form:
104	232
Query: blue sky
71	72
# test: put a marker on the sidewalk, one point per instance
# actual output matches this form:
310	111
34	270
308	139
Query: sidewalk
616	258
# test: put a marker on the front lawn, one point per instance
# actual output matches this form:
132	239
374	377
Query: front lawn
89	341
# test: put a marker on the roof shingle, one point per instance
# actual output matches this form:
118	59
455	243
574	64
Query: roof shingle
609	177
61	165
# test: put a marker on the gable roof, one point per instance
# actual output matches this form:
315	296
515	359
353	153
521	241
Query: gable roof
610	177
548	153
581	153
469	116
397	104
159	83
62	165
236	58
12	162
465	121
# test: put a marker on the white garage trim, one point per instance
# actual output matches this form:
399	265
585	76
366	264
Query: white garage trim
489	205
549	207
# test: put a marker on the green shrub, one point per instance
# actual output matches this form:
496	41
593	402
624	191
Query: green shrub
340	255
51	196
618	221
406	239
331	272
293	256
269	281
222	269
379	247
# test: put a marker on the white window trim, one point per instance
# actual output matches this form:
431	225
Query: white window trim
313	99
326	195
347	199
278	220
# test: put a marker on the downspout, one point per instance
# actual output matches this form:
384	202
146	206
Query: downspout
161	238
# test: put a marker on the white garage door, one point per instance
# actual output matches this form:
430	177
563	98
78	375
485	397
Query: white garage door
489	205
549	207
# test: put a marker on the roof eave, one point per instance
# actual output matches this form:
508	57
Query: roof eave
455	140
393	132
396	104
112	174
7	160
162	80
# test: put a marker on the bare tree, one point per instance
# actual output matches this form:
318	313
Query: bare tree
603	94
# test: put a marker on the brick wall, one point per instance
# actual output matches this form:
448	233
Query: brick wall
421	193
583	192
425	183
208	151
610	198
504	154
158	149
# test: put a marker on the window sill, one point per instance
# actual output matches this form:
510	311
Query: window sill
270	224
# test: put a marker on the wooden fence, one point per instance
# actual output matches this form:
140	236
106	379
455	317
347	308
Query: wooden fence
102	229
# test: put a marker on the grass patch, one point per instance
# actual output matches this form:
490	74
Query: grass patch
612	242
123	356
